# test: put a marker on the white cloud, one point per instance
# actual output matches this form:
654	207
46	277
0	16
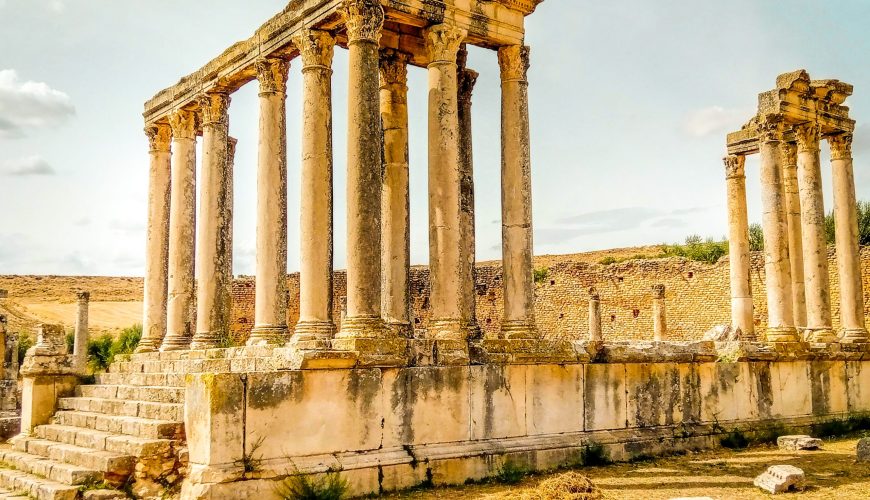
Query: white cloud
29	105
714	120
27	166
57	6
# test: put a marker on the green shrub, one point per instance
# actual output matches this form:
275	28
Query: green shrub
756	238
70	342
329	487
863	211
128	340
606	261
25	342
510	473
540	275
100	354
734	440
698	249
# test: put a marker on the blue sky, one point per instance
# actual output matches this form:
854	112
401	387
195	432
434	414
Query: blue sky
630	101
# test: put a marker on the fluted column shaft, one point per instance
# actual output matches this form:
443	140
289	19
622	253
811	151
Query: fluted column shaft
182	229
270	304
316	216
738	248
395	201
157	239
818	295
776	257
795	243
467	79
848	256
516	196
214	237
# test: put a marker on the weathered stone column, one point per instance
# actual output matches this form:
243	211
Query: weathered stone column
738	248
660	325
80	342
214	237
364	19
157	239
467	79
395	197
315	276
776	262
182	228
818	295
516	196
795	243
5	371
848	256
270	302
445	252
595	316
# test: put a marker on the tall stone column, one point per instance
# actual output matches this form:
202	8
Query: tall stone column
214	273
738	248
595	316
315	276
395	197
182	229
445	245
516	196
848	256
364	19
776	258
80	343
270	302
467	279
795	243
818	295
660	325
157	239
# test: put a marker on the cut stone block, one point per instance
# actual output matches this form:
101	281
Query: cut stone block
798	442
863	451
781	479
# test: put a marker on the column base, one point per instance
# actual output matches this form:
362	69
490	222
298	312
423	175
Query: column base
267	335
519	329
175	343
854	336
375	352
820	335
400	329
147	345
446	329
782	334
206	340
362	327
525	351
313	330
473	331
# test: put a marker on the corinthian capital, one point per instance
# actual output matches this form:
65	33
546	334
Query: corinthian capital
467	79
770	129
393	67
159	137
514	62
734	166
183	123
363	20
841	146
315	47
443	42
807	136
214	107
272	74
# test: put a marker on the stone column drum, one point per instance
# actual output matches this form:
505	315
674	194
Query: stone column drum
467	78
157	239
80	343
738	248
316	215
182	227
776	258
795	243
818	295
445	252
270	302
516	196
214	238
848	256
395	197
595	316
660	325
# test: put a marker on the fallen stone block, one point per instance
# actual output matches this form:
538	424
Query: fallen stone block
863	451
798	442
780	479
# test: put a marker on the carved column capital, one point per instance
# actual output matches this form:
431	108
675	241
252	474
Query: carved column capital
272	74
443	42
593	294
467	79
658	291
841	146
159	137
363	20
231	147
807	135
184	124
316	48
770	129
789	154
214	107
514	62
734	166
393	67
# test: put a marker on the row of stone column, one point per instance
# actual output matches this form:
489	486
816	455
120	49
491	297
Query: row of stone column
378	242
795	247
660	326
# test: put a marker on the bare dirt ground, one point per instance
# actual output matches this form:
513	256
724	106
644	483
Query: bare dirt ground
832	473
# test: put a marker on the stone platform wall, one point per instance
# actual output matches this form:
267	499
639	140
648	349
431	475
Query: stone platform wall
388	429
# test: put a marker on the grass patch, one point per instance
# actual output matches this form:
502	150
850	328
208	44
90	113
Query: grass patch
329	487
540	275
249	463
510	473
594	454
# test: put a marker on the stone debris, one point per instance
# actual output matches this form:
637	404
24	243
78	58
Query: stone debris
722	333
863	450
104	495
798	442
780	479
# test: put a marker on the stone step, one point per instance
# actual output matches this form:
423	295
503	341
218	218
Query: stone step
145	409
141	379
115	467
13	495
107	441
156	394
35	486
177	366
131	426
48	468
229	353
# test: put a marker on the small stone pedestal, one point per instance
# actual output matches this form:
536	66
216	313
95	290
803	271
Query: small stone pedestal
48	373
374	352
524	351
